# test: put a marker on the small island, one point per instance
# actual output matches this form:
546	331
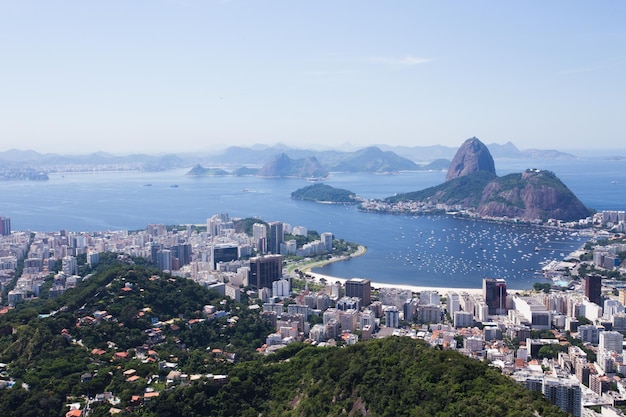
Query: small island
200	171
322	193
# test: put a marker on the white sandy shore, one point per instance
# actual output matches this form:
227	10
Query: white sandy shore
414	288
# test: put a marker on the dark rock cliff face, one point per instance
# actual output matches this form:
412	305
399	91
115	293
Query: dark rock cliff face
472	156
283	166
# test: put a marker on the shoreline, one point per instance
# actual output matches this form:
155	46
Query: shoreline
318	277
306	269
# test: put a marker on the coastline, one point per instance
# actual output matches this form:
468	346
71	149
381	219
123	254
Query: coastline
413	288
361	250
320	278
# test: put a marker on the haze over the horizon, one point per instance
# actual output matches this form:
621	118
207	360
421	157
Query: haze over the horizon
156	76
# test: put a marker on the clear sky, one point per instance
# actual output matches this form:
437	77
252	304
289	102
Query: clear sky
156	76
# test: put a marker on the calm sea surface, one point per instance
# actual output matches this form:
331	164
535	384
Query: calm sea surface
424	250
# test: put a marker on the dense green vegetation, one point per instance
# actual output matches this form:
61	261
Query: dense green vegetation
462	190
385	377
324	193
49	344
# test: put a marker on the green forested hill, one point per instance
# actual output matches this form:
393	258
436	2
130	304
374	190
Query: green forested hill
386	377
123	309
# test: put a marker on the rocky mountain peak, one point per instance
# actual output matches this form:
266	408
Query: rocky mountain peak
472	156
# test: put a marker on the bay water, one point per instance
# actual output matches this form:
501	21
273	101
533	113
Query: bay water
415	250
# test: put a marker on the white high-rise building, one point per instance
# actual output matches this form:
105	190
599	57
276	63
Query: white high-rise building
565	393
454	303
612	307
69	265
463	319
611	341
281	288
259	236
430	297
368	318
327	240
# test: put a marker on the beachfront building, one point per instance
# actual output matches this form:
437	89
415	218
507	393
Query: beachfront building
453	303
359	287
494	294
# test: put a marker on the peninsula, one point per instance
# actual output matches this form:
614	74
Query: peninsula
473	188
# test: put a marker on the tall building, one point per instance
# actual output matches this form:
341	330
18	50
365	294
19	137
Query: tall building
183	253
69	265
264	270
410	309
281	288
611	341
392	317
429	313
93	258
5	226
164	260
259	236
454	303
565	393
275	238
463	319
327	240
593	288
589	333
224	253
359	287
494	293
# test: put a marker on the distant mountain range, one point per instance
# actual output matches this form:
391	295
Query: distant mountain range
245	160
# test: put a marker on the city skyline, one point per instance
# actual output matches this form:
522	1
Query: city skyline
186	76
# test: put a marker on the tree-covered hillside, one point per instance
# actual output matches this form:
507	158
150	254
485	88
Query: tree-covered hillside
385	377
111	336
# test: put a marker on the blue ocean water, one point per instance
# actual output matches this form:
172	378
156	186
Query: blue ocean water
423	250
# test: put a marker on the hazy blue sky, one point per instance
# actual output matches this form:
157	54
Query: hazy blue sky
191	75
